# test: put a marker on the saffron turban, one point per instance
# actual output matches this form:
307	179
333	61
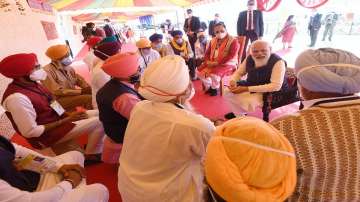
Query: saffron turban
57	52
328	70
248	159
18	65
105	50
121	65
164	79
156	37
143	43
92	41
176	33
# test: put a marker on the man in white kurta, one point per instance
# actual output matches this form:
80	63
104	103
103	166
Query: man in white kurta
164	142
246	95
51	186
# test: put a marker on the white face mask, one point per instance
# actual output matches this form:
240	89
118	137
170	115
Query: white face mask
221	35
146	52
179	41
66	61
158	46
38	75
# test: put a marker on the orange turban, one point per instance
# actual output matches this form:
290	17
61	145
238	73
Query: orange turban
249	160
18	65
143	43
121	65
57	52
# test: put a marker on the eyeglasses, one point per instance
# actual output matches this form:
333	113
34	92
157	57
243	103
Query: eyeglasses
221	31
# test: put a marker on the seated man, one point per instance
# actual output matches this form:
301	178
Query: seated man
118	96
181	47
147	54
249	160
62	81
164	142
220	59
98	77
60	178
157	44
35	113
201	46
265	73
325	134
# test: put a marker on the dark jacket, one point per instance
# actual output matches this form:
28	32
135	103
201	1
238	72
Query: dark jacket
315	22
258	23
194	24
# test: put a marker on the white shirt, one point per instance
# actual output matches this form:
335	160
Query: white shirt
145	60
98	79
162	152
12	194
23	114
276	80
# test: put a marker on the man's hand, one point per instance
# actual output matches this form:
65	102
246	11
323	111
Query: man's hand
232	84
86	90
65	169
211	64
74	177
77	116
186	57
238	89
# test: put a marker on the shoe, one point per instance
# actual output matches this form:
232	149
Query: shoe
208	91
230	115
92	159
213	92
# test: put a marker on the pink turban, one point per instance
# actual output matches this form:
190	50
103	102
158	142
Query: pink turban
121	65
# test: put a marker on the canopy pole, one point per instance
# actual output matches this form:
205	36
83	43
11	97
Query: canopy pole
177	19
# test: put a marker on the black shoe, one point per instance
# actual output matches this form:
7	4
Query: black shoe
91	159
230	115
213	92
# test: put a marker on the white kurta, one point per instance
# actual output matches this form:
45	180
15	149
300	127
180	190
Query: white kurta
145	60
162	153
50	187
98	79
248	102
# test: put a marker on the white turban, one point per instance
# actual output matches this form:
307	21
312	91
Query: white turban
328	70
164	79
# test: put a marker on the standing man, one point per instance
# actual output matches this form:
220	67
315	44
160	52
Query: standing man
250	25
191	28
314	27
330	22
212	25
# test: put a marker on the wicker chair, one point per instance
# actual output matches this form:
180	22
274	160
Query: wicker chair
285	96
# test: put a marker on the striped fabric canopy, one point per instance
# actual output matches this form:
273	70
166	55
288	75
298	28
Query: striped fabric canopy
70	5
120	16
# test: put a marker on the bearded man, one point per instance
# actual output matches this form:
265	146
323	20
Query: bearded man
265	73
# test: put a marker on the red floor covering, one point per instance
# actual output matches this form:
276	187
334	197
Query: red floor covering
211	107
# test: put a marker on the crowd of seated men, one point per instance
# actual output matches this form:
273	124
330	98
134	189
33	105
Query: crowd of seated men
139	103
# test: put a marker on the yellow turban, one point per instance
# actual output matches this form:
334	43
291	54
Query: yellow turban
249	160
57	52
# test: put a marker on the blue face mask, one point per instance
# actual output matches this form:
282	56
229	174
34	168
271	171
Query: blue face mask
66	61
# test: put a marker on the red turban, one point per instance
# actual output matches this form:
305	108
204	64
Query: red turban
18	65
92	41
121	65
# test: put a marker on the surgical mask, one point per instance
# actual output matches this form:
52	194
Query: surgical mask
38	75
252	7
145	52
221	35
179	41
202	39
158	46
66	61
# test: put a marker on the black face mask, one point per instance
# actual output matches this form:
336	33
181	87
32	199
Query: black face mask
134	78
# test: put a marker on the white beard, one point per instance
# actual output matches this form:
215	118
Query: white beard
261	62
